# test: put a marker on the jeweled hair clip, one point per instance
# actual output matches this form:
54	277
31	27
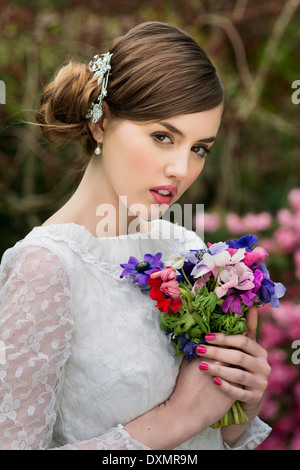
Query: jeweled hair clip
100	65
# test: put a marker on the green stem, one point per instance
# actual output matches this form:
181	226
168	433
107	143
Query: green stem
185	277
189	297
215	284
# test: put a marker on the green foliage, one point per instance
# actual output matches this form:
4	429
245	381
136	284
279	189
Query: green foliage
200	316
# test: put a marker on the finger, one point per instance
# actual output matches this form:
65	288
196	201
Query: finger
251	319
238	342
235	376
237	393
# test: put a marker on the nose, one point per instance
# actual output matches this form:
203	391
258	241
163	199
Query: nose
178	166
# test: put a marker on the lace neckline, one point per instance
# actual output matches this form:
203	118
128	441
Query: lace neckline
111	251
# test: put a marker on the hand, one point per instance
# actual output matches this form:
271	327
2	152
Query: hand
240	366
196	401
195	404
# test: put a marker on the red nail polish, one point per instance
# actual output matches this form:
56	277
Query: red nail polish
217	381
203	366
201	349
210	337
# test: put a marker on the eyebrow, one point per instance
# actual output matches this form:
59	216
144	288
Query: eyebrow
173	129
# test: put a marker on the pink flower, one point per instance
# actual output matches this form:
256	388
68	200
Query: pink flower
294	199
165	290
201	281
297	263
169	285
285	218
249	223
257	222
255	257
296	441
212	223
286	238
234	223
238	276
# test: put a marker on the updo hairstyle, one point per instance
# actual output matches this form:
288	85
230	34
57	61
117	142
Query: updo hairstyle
157	71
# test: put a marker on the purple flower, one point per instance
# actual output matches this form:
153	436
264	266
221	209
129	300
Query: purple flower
247	241
269	291
196	256
188	347
141	270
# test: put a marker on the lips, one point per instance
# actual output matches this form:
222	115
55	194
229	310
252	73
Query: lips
163	194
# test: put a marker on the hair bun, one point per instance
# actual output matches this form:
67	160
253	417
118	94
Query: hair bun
64	104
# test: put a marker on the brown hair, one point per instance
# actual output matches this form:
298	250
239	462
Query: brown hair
157	71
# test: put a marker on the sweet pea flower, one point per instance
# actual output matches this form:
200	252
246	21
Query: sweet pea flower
269	291
200	282
254	258
239	277
212	263
196	256
247	242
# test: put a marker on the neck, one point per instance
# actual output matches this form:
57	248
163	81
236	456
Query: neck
98	209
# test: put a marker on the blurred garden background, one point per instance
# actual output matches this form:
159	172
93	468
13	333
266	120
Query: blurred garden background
251	182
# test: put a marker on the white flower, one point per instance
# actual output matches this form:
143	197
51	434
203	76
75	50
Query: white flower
210	262
175	261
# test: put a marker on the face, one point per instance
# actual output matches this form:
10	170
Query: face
152	164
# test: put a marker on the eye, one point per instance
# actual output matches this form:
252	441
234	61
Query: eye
201	150
162	138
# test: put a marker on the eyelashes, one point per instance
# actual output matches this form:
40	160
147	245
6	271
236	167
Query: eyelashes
159	136
165	139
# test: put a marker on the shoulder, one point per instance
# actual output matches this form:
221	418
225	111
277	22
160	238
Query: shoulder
34	257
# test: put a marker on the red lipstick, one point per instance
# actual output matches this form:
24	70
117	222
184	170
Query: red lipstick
163	194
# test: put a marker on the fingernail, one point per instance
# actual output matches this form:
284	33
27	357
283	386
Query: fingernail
217	381
201	349
210	337
203	366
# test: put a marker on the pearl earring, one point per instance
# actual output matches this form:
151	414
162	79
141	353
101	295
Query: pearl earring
97	149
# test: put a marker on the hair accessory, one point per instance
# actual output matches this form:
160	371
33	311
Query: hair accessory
98	149
100	65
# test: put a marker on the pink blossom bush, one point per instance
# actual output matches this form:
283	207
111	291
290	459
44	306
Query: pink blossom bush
249	223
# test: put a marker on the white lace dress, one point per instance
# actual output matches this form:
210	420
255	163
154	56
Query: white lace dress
81	349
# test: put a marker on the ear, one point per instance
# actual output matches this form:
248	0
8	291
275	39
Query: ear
99	127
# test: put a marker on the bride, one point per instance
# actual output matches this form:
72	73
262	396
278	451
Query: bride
87	366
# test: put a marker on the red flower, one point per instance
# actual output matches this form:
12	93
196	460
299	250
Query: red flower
165	290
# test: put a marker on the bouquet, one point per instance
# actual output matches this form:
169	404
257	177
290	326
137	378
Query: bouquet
207	290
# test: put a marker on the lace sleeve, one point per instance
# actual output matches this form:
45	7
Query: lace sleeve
35	342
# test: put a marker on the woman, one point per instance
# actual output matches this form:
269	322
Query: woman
87	366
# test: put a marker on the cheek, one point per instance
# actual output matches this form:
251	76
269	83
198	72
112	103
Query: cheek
139	161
